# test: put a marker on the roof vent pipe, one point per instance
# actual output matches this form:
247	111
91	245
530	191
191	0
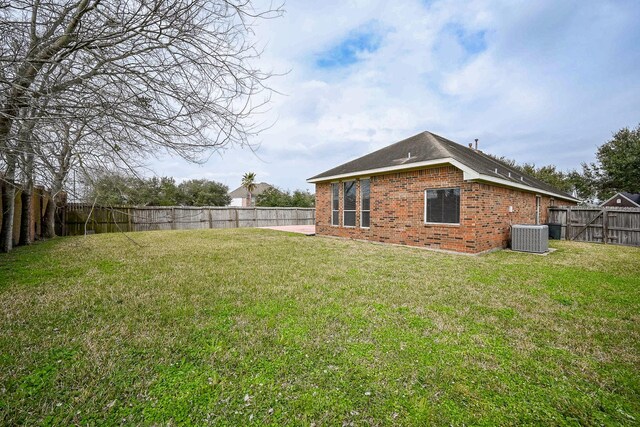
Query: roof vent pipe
496	170
476	144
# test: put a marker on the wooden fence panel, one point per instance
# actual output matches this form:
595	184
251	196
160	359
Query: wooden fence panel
149	219
223	217
624	227
100	219
306	216
266	217
123	218
247	217
559	216
587	225
190	219
600	225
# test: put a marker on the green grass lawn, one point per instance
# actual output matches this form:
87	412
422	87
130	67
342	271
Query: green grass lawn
235	327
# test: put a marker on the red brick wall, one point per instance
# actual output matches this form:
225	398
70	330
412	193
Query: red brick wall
397	211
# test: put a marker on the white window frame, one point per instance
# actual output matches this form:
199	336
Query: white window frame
368	210
344	211
425	206
538	207
337	184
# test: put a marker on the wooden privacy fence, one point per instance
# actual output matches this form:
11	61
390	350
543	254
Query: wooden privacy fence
39	200
620	226
102	219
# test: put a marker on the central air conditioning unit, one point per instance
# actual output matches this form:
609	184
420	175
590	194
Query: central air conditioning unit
530	238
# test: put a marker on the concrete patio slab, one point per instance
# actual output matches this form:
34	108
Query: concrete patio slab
307	230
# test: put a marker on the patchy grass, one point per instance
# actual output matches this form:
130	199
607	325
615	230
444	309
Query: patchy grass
253	326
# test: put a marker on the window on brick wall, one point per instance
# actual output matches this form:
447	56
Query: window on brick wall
365	203
442	206
349	204
335	204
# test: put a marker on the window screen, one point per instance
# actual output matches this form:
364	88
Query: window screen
349	204
365	203
443	206
335	204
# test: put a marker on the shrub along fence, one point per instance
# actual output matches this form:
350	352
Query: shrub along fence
102	219
619	226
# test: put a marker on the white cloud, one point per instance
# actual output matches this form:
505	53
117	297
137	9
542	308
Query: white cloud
546	82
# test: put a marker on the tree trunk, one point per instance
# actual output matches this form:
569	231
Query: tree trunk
26	217
8	209
49	220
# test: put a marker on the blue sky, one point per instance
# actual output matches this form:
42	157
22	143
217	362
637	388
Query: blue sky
353	47
544	82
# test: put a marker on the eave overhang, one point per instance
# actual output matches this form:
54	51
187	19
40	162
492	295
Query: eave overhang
468	175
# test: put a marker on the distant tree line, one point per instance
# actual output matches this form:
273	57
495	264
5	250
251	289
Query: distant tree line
550	174
275	197
616	169
116	189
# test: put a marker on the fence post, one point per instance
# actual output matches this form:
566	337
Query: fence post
237	218
173	218
569	230
210	218
605	226
63	214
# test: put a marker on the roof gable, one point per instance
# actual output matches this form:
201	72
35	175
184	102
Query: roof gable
633	198
427	148
241	192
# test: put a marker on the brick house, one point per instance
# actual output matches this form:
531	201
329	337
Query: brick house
240	196
431	192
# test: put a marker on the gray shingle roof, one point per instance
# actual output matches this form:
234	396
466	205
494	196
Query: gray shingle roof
427	146
241	192
633	197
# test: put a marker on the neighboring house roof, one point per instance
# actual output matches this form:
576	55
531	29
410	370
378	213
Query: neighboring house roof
633	198
428	149
241	192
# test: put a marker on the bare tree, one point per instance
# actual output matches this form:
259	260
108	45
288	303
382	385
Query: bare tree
137	77
26	162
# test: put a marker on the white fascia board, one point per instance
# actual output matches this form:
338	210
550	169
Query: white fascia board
512	184
468	175
378	171
471	175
